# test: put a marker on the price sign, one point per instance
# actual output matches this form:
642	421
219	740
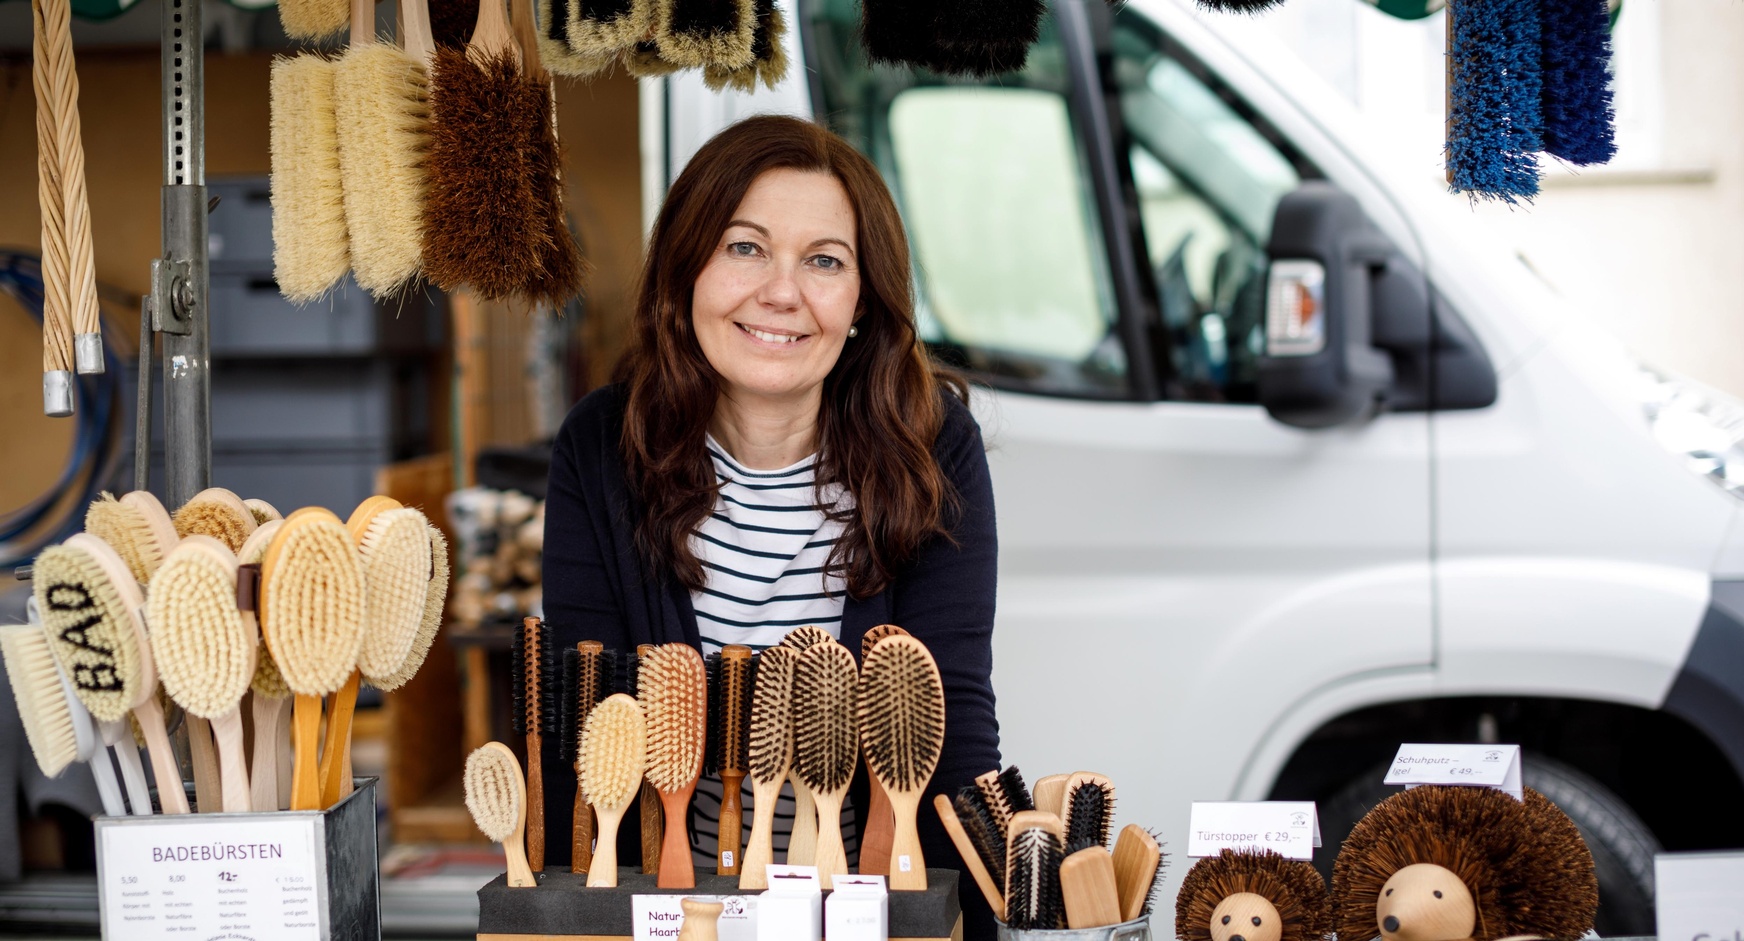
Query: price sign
1699	896
658	917
1289	828
225	877
1496	766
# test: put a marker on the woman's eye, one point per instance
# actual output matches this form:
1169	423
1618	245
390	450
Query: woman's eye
742	249
827	262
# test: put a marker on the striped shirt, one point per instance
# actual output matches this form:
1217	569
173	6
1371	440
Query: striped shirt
763	552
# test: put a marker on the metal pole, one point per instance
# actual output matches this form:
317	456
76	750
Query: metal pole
179	279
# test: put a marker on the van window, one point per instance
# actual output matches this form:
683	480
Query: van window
1208	182
1012	276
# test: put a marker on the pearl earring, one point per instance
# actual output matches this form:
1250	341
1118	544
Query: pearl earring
853	331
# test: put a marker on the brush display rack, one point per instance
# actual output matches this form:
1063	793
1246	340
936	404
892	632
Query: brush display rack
288	875
562	907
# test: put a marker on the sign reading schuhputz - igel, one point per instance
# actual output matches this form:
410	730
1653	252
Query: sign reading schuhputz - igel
252	878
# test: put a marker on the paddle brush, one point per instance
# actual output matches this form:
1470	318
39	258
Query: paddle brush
880	825
901	712
137	527
674	694
533	713
217	513
826	746
802	840
974	859
1138	868
729	729
311	247
600	29
1256	896
768	55
271	702
1089	811
498	800
804	638
769	754
1575	55
1494	113
205	650
312	607
613	757
585	685
1034	851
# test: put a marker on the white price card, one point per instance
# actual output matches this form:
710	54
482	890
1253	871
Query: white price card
658	917
1496	766
222	878
1699	896
1289	828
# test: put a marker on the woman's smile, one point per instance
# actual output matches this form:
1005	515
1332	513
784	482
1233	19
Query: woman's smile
772	337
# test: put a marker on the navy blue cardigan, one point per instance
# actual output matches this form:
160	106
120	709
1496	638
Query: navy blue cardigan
597	587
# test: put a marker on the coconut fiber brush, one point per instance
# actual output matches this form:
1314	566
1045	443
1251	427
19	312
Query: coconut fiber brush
674	694
1256	896
901	712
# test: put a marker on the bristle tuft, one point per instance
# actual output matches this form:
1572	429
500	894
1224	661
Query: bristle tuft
42	701
382	111
1033	900
826	743
311	248
569	697
901	712
804	638
614	743
1089	816
771	739
1155	894
495	792
674	696
737	677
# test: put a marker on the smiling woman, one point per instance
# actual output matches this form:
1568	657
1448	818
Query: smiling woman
780	451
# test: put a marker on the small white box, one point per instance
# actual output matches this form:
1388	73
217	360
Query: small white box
792	909
858	909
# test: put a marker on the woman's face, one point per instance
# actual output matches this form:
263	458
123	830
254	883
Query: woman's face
773	305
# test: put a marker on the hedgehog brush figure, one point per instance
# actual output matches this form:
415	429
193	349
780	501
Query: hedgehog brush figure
1452	863
1252	897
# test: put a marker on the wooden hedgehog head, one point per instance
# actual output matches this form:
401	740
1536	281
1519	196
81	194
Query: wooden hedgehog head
1252	897
1450	863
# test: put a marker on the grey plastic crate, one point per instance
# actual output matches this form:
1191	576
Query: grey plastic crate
239	230
319	403
250	318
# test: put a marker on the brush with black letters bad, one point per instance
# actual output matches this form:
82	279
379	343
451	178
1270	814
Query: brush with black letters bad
826	744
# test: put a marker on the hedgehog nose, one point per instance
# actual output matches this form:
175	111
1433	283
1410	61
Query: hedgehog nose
1236	937
1390	925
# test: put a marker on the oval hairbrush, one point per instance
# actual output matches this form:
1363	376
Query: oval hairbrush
826	746
880	825
674	694
613	754
901	706
497	798
770	758
802	840
435	607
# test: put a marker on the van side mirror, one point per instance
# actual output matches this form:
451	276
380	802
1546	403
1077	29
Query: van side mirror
1321	367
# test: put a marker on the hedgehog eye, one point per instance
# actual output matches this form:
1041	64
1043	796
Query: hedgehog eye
1256	921
1389	891
1438	893
1226	919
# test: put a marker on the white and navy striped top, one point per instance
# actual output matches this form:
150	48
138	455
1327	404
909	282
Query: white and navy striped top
763	552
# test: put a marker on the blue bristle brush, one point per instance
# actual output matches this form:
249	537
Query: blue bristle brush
1579	121
1495	123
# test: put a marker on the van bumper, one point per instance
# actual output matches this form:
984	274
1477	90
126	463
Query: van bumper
1709	691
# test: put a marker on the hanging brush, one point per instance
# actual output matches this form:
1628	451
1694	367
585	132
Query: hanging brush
533	712
1032	873
1494	113
1237	6
312	20
57	92
600	29
555	50
561	270
768	55
1579	119
52	40
958	37
585	686
311	247
700	33
1089	808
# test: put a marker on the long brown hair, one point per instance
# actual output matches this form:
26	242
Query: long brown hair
881	402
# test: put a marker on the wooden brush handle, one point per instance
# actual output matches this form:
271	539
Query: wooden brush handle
701	920
1136	857
581	835
802	843
263	770
760	853
491	35
535	800
527	39
362	23
880	830
172	796
907	865
1087	885
338	744
994	895
602	872
232	758
676	871
208	786
732	828
415	34
519	873
287	753
132	774
651	829
832	856
305	734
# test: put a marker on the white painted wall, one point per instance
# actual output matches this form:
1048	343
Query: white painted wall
1653	243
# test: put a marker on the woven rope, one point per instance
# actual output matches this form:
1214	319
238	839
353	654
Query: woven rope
63	83
57	325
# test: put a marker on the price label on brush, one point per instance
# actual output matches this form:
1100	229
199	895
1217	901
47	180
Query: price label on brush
1289	828
1496	766
190	878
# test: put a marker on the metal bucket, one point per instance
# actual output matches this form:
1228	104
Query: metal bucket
1136	930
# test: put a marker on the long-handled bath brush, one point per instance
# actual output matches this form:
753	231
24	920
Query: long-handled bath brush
770	758
614	753
674	695
1034	851
312	605
270	704
435	608
218	513
901	712
205	650
880	825
1495	124
826	744
497	798
42	703
311	246
137	527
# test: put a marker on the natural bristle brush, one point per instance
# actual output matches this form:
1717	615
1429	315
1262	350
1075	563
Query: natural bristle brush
974	858
435	607
1255	896
1034	851
700	33
1089	811
769	754
311	247
312	608
600	29
652	826
901	707
768	55
613	757
730	726
309	20
1004	794
673	691
826	743
880	825
271	702
205	650
555	49
585	685
802	840
42	702
533	713
262	511
218	513
137	527
497	798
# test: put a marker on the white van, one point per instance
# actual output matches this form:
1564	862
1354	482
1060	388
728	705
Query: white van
1290	471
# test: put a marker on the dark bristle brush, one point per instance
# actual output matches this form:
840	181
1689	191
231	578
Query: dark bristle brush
826	744
1017	795
1034	851
973	859
1089	810
653	827
983	831
734	725
901	711
539	718
998	805
880	826
584	689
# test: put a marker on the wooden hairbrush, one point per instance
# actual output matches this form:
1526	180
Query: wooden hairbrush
1137	860
497	798
1088	811
1034	851
802	839
534	714
875	838
588	689
674	694
972	860
613	755
826	744
770	757
1087	889
901	711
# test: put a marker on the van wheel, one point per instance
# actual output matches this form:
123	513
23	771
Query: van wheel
1621	844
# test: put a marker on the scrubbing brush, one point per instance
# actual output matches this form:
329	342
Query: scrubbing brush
217	513
435	607
1495	115
554	49
769	755
600	29
1579	119
969	37
205	650
826	743
613	756
311	246
1033	855
137	527
310	20
497	798
674	696
768	55
901	712
702	33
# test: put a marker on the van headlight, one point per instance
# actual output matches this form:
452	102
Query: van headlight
1701	425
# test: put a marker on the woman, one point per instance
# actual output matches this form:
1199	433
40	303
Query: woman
780	451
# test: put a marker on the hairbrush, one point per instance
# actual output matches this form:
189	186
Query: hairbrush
311	611
674	694
973	861
1050	794
826	746
996	799
218	513
497	798
769	757
804	638
1255	896
653	830
880	825
802	839
1138	860
270	704
1089	811
1087	888
1034	851
585	685
901	712
137	527
205	650
983	831
731	726
534	714
613	757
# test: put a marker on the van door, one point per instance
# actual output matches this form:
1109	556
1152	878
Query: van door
1177	570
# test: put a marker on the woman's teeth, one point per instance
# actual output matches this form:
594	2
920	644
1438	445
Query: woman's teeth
770	337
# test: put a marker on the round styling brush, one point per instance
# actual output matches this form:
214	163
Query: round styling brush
673	691
497	797
901	706
1256	896
614	753
826	743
